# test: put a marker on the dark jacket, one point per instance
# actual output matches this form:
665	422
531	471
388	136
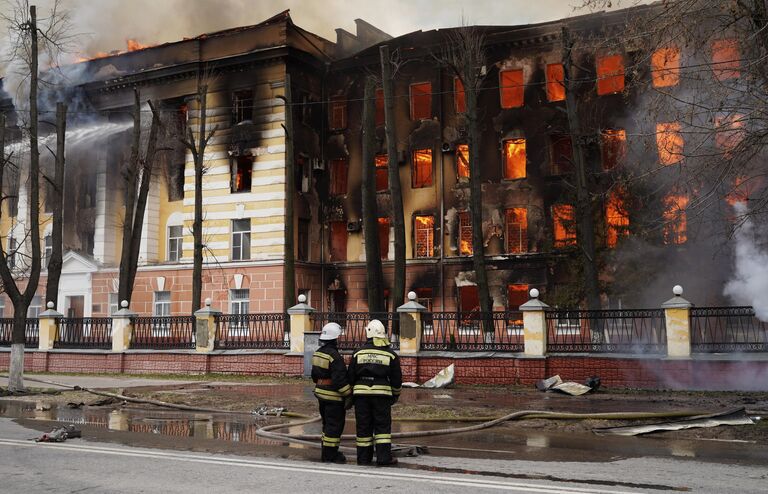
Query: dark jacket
329	373
375	371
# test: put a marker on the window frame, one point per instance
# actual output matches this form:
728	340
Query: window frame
239	299
465	225
412	100
522	230
339	178
381	169
247	182
35	307
459	96
607	82
571	238
416	183
243	245
338	113
240	108
176	241
555	86
504	155
461	156
417	227
510	95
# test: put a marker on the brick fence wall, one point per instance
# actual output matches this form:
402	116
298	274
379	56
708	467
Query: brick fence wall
715	373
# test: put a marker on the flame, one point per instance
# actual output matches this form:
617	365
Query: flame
381	161
729	132
676	223
565	232
462	160
512	88
517	230
465	248
425	236
614	147
726	59
743	189
131	45
555	82
616	218
610	74
465	234
134	45
514	159
426	221
665	66
669	142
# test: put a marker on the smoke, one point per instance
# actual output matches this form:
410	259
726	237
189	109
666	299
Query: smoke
749	284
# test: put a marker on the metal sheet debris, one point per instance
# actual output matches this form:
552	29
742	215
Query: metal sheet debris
555	383
442	379
737	416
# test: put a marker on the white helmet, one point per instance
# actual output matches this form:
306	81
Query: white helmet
375	329
331	331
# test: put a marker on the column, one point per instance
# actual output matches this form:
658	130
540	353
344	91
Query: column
410	325
49	325
122	328
535	325
205	328
677	312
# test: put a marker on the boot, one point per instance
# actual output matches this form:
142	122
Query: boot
364	455
339	458
328	454
384	455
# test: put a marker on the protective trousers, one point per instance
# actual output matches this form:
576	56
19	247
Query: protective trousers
333	415
374	427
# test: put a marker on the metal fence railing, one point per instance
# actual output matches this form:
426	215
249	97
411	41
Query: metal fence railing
353	325
727	329
84	332
471	331
606	331
166	332
252	331
31	333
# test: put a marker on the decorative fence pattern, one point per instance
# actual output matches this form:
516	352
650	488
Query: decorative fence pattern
84	332
252	331
167	332
606	331
31	334
727	329
353	326
470	331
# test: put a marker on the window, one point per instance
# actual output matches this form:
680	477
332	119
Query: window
114	304
613	148
47	251
382	172
175	239
669	142
339	171
459	98
465	233
421	101
11	253
675	220
561	149
616	218
242	105
241	239
380	116
729	132
517	295
516	220
563	217
424	297
338	241
35	307
514	159
555	82
610	74
161	308
338	114
421	174
303	240
2	307
239	301
462	161
665	66
469	306
511	88
726	59
384	237
241	174
424	235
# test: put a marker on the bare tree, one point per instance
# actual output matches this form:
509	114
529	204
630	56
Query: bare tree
289	270
56	202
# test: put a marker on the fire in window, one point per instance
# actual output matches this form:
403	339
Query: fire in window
614	147
564	219
512	88
241	176
669	141
303	240
562	154
338	114
675	220
665	66
610	74
379	107
465	233
514	159
384	237
382	172
726	63
338	177
242	105
421	101
424	233
459	99
516	220
421	174
729	132
462	161
616	218
517	295
555	82
338	241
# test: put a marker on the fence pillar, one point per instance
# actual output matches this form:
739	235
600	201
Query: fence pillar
300	323
410	325
534	325
122	328
205	328
677	312
48	327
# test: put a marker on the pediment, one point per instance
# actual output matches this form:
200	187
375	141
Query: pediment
73	263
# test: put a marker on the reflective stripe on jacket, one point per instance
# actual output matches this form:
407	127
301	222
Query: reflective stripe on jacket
330	373
375	371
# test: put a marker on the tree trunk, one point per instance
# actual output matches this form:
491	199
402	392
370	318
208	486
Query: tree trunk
130	178
375	279
585	227
289	271
57	232
395	189
197	224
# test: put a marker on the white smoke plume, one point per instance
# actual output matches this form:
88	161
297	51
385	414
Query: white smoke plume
749	284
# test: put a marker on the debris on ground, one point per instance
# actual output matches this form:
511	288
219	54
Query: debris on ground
75	405
60	434
265	411
406	450
105	402
42	408
736	416
555	383
442	379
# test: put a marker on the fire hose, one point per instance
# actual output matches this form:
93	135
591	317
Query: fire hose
311	440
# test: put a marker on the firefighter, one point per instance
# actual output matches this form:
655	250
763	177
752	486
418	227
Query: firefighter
333	392
376	378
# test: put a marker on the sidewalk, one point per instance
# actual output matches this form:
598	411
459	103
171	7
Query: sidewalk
94	381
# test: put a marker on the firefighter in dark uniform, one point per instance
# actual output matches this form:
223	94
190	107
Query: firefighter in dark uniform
332	390
376	379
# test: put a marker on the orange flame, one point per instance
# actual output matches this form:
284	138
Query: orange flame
665	66
425	220
514	159
676	223
563	216
465	248
669	142
462	160
616	218
131	45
